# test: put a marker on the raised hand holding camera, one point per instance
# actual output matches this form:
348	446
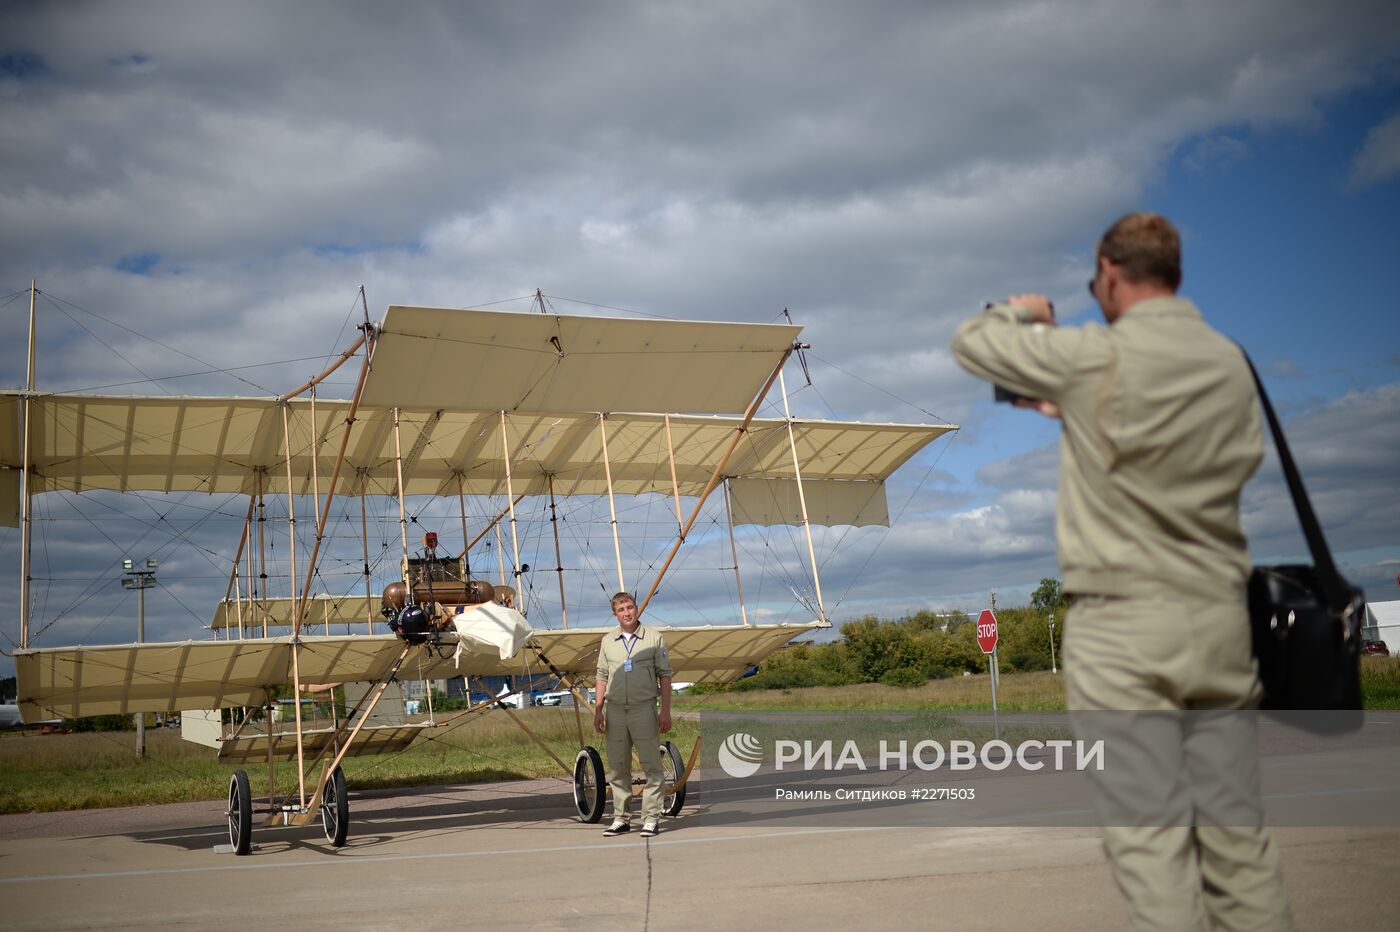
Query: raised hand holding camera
1043	311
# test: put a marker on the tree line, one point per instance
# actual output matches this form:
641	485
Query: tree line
912	650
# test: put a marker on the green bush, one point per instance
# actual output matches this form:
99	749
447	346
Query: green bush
709	689
914	649
875	646
834	660
799	666
907	677
101	723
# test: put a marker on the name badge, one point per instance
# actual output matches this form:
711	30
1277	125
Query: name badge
627	665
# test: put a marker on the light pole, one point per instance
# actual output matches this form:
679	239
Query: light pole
1052	644
140	580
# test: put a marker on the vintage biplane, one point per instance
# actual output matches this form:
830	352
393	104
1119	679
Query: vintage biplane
506	411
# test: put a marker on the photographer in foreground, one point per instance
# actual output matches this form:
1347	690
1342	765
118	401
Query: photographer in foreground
1160	432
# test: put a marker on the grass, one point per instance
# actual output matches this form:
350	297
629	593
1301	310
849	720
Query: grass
44	773
1016	692
1380	682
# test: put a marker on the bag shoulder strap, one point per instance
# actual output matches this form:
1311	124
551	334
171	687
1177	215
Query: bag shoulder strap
1334	587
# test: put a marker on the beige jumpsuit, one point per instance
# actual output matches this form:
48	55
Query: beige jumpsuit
629	704
1161	431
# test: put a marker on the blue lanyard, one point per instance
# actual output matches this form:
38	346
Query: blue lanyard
627	644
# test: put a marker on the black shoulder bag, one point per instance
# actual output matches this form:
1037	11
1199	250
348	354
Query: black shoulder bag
1306	620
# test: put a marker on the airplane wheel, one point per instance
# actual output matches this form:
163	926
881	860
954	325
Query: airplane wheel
590	785
240	813
335	809
672	769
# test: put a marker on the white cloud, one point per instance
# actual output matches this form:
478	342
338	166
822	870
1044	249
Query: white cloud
1379	158
880	169
1214	152
1346	451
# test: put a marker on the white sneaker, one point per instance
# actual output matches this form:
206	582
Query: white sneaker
650	828
618	827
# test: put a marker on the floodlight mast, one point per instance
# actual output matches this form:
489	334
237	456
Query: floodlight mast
140	580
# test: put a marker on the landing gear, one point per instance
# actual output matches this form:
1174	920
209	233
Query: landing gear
335	809
240	813
590	785
672	769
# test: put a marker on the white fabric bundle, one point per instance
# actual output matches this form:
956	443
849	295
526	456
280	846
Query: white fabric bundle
486	627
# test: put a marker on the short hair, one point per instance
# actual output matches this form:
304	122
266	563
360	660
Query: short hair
1146	247
623	597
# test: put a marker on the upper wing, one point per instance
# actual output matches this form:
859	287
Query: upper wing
222	445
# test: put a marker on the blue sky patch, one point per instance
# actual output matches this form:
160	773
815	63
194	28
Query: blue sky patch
139	263
22	65
135	63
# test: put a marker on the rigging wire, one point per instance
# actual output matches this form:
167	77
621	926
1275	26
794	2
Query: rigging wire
88	592
354	303
609	307
176	536
118	353
189	375
158	342
524	297
952	435
48	565
168	591
881	390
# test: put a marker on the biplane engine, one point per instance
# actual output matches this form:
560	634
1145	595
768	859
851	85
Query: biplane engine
412	625
393	600
412	619
407	621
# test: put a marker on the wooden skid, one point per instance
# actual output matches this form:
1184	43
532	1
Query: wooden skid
380	739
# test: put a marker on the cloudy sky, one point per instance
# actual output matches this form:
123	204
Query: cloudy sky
202	186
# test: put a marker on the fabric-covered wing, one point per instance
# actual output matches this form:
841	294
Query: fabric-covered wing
248	616
428	357
220	445
70	682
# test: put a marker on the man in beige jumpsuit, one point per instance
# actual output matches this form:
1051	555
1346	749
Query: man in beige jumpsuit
1160	431
634	671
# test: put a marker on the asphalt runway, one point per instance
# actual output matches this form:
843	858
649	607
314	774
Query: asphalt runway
509	856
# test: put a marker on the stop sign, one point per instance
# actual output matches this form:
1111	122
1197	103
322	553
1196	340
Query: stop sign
987	631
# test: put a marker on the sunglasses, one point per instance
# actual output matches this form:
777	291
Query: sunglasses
1093	281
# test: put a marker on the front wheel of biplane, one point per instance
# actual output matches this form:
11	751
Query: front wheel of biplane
590	785
240	813
672	769
335	809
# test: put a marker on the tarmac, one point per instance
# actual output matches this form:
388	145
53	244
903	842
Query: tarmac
512	856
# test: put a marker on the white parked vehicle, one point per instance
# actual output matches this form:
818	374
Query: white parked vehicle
555	698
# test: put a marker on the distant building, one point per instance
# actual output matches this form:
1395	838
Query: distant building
1382	623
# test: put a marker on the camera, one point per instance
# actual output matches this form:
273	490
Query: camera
1007	395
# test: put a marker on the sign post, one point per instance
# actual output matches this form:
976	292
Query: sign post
987	640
